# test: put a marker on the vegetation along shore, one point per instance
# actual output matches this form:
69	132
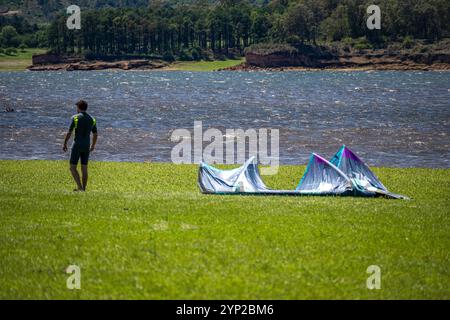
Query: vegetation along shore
198	35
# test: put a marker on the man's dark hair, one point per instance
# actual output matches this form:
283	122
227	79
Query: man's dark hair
82	105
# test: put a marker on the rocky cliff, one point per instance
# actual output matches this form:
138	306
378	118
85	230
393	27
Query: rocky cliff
51	62
322	58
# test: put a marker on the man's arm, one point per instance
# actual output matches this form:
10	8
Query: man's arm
94	141
66	140
69	133
94	135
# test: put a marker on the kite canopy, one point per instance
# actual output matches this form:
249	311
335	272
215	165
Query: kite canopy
344	175
243	179
322	177
356	170
363	179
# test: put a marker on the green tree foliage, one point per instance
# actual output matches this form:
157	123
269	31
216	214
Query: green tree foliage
337	25
190	28
9	37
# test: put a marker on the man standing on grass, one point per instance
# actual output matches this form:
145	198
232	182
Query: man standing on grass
83	124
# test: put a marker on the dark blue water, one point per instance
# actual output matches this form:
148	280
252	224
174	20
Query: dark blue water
389	118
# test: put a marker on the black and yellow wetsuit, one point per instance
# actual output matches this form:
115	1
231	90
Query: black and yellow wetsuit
83	124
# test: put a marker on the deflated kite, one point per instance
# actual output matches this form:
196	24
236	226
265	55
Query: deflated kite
344	175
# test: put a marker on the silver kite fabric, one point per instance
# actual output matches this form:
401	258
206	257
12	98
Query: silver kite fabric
345	175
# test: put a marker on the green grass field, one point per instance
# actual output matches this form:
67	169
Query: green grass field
143	230
18	62
204	65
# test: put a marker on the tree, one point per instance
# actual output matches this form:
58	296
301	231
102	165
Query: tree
295	23
337	26
260	26
9	37
203	27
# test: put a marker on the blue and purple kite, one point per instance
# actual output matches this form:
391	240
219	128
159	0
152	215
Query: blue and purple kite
344	175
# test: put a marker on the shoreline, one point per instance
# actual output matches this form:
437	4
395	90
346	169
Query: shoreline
234	65
196	66
345	68
354	63
52	63
172	67
229	166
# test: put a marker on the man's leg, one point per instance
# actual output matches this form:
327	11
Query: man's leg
76	176
84	174
84	168
74	157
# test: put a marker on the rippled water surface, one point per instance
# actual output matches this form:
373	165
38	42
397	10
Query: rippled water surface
389	118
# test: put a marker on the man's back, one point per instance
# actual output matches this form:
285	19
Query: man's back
83	124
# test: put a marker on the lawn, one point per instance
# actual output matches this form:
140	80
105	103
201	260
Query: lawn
143	230
19	61
204	65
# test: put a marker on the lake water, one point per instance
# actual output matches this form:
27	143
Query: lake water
396	119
